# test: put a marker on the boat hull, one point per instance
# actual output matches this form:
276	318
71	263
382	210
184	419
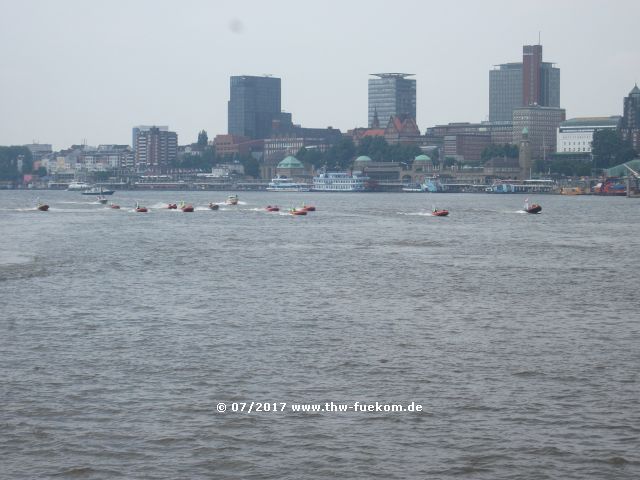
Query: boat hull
440	213
534	209
103	192
288	189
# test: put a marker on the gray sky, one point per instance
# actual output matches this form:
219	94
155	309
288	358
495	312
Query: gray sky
82	69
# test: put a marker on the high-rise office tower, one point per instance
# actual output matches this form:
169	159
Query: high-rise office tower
531	73
505	91
254	103
515	85
391	94
630	125
549	85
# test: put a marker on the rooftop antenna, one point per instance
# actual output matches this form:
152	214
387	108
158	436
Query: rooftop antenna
539	37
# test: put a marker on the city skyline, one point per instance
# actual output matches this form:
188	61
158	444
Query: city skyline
78	72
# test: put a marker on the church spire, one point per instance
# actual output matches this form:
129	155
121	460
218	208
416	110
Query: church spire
376	121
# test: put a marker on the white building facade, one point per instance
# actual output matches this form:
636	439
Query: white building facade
576	134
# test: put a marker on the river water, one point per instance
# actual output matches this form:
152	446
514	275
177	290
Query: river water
121	333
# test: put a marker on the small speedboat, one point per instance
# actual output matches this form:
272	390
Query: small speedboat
294	211
213	206
102	200
172	206
43	207
273	208
114	206
440	213
141	209
187	208
308	208
533	208
232	200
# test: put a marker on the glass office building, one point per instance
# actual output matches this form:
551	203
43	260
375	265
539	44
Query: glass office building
505	91
516	85
391	94
253	105
549	85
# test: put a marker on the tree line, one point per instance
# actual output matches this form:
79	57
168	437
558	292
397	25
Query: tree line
342	155
10	159
206	158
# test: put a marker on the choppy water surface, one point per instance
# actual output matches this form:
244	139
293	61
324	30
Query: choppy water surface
121	332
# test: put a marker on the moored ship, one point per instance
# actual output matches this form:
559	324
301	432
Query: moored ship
78	186
284	184
98	191
340	182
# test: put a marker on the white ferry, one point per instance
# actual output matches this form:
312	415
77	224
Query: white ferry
339	182
526	186
284	184
78	186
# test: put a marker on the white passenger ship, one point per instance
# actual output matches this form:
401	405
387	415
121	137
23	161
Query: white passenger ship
284	184
339	182
78	186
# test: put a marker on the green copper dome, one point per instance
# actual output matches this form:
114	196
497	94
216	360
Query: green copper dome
422	158
363	158
290	162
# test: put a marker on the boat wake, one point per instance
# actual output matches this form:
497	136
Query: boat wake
70	210
160	206
416	214
29	209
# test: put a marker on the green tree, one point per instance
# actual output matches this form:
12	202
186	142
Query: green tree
609	149
251	166
209	157
570	167
495	150
539	165
340	156
374	148
311	156
203	139
401	153
203	161
10	159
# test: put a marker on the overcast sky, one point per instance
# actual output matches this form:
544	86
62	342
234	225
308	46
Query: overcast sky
76	70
